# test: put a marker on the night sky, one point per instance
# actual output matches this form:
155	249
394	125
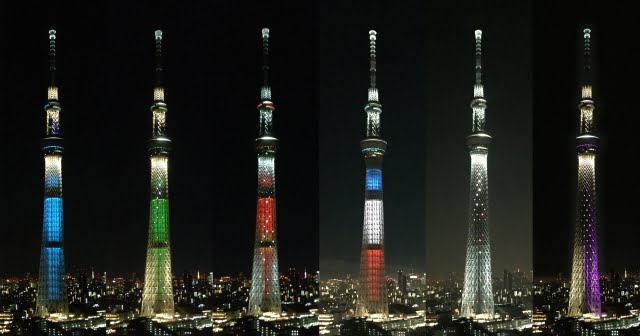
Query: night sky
425	76
213	75
447	85
319	79
557	51
344	81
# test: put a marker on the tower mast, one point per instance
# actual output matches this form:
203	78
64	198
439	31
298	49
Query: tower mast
372	291
264	296
157	295
52	289
477	295
584	296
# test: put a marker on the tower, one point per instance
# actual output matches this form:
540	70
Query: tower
157	295
477	295
52	289
584	296
264	296
372	291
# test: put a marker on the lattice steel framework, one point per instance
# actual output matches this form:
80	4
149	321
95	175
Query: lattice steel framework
372	291
157	295
264	296
477	295
52	288
584	296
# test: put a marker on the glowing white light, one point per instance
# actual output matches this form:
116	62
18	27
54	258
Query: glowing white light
265	92
586	118
478	34
159	175
373	232
158	94
52	93
265	32
266	173
159	121
53	174
587	92
158	34
53	120
478	91
478	118
372	94
373	123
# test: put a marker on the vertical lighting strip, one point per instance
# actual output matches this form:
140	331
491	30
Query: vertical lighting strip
264	296
157	294
477	295
584	296
372	291
52	289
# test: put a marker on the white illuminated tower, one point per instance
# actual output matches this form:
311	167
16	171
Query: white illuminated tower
477	295
372	291
51	298
584	296
157	295
264	296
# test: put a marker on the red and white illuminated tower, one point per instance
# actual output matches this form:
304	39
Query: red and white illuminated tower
264	296
584	296
157	294
372	289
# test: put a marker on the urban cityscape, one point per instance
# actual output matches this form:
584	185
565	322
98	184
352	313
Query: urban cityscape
331	169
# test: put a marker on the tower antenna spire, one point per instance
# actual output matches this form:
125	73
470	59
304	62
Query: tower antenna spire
478	34
586	61
372	58
52	57
265	55
158	65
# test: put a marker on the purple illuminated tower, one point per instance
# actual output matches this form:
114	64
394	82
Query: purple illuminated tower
584	297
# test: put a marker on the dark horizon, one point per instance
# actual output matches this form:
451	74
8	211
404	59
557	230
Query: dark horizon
213	77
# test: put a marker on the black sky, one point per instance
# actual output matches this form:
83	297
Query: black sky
556	43
213	74
448	87
343	91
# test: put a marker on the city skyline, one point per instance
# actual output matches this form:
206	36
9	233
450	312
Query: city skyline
105	73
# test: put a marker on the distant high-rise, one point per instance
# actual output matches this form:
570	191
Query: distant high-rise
372	291
52	290
157	295
584	297
264	296
477	295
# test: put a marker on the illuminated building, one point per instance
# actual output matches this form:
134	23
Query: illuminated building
264	296
157	295
584	296
372	291
52	289
477	295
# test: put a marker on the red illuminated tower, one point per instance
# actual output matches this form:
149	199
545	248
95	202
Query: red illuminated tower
264	296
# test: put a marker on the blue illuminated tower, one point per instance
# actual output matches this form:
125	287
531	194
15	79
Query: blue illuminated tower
52	290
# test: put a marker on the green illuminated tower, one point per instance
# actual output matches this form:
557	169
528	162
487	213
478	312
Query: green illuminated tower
157	296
